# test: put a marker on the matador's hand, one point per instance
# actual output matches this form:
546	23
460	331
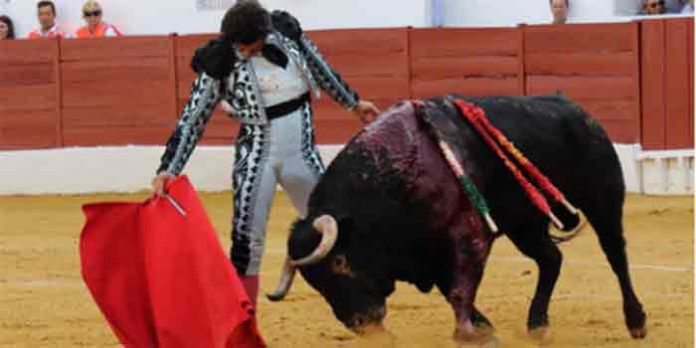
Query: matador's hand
160	181
366	110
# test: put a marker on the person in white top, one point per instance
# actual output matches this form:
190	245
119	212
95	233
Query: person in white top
559	10
47	21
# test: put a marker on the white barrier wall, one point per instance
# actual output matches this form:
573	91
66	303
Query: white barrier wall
112	169
130	169
159	17
668	172
492	13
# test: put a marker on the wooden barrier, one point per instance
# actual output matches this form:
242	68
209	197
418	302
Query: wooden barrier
117	91
667	83
466	61
29	95
374	62
596	65
635	78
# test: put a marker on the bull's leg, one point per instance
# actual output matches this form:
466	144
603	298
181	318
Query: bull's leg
605	217
462	297
534	242
469	264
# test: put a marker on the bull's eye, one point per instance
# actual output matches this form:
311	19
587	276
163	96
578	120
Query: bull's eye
340	261
339	265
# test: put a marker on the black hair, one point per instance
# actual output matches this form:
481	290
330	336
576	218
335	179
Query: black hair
45	3
246	22
10	26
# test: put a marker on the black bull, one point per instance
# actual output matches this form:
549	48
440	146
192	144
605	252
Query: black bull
389	208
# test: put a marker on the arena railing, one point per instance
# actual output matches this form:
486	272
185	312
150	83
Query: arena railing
636	78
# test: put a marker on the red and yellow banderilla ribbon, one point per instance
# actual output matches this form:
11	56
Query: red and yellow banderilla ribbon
477	118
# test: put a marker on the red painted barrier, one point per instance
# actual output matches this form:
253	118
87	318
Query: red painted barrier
29	95
374	62
466	61
635	78
667	83
116	91
596	65
221	129
677	87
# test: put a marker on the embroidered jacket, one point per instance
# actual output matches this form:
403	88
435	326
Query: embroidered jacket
223	74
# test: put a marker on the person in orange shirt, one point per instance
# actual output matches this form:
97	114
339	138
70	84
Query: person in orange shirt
92	14
47	20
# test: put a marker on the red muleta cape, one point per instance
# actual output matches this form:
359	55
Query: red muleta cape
161	278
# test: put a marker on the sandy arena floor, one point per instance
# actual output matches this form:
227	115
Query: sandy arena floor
44	303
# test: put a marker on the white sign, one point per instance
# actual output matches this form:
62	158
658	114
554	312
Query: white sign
208	5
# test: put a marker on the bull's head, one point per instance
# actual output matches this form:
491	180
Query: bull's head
319	251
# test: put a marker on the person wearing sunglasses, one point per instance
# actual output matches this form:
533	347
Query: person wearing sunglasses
653	7
265	73
92	14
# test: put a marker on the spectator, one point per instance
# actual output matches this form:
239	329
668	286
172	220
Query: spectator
674	6
6	28
437	13
47	20
559	10
92	14
688	7
653	7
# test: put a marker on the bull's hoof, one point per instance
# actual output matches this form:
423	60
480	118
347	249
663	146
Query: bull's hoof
537	322
466	332
370	329
541	335
489	341
481	322
635	321
538	328
379	338
639	333
477	339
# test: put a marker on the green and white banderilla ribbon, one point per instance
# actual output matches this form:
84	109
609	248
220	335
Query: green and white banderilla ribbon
468	185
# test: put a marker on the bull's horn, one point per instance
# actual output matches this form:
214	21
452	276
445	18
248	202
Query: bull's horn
285	282
327	226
